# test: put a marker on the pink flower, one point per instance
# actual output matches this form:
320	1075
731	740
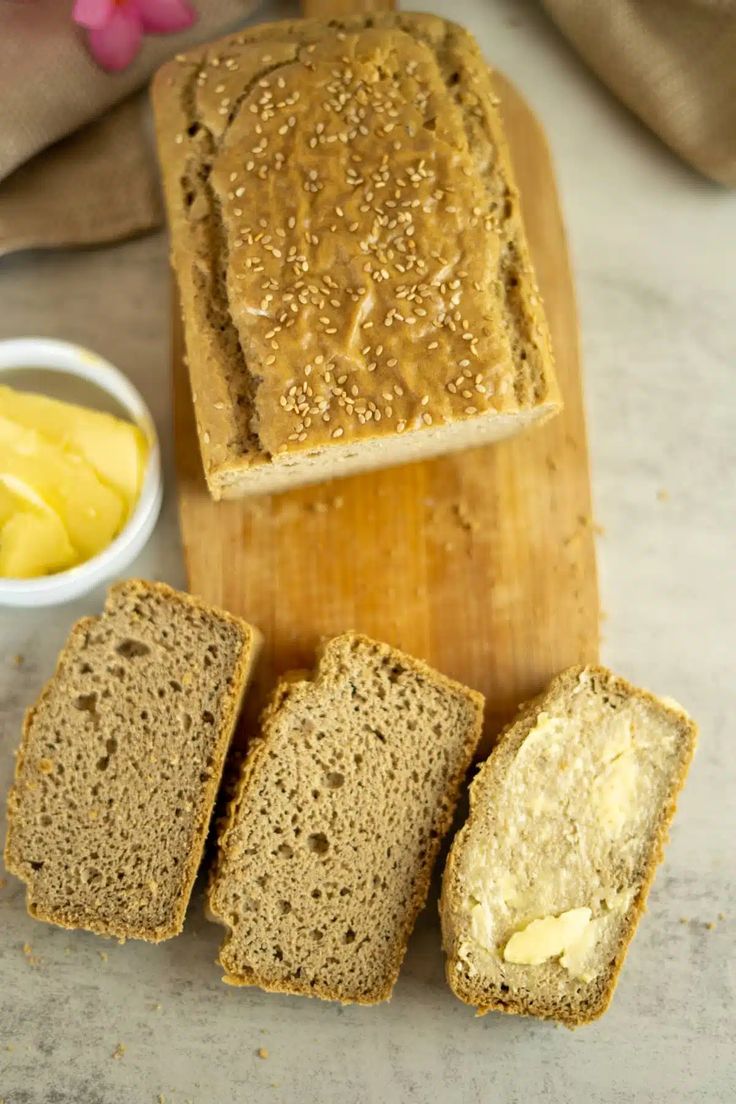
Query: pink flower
116	27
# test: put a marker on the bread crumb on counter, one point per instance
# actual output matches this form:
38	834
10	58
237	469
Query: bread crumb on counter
119	1051
663	495
103	955
31	958
262	1052
18	660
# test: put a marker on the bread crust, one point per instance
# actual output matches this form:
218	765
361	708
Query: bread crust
258	753
72	919
508	743
241	447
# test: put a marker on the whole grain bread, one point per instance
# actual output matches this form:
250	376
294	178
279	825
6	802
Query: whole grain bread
328	848
545	884
346	237
120	762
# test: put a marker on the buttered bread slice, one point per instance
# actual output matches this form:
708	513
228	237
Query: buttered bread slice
545	883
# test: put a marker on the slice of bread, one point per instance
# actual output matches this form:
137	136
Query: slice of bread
120	762
545	883
326	856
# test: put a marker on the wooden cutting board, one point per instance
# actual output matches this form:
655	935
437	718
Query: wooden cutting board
482	563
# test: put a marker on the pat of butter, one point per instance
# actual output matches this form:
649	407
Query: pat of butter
570	935
47	477
33	543
548	729
114	448
615	789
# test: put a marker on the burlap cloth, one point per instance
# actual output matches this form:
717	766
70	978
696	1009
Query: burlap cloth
76	154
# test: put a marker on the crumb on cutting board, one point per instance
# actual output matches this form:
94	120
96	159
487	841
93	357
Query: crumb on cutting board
103	955
18	660
3	882
119	1051
663	495
262	1052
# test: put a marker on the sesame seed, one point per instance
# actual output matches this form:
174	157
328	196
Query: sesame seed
337	432
427	418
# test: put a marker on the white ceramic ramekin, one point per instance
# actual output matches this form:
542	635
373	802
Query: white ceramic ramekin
63	357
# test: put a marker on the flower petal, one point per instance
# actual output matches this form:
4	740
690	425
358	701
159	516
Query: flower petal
115	45
165	16
92	13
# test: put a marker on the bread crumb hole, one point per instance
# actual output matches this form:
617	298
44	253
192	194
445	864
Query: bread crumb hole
349	936
284	907
318	843
86	703
284	850
335	780
129	649
208	717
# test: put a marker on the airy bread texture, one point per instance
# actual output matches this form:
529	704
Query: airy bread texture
120	762
545	883
327	852
346	237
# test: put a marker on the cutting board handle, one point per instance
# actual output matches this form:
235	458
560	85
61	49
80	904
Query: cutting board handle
325	9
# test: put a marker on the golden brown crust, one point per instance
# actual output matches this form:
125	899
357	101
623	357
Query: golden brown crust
259	751
282	362
74	919
510	738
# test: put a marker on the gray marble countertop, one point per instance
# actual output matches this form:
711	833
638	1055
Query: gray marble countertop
654	251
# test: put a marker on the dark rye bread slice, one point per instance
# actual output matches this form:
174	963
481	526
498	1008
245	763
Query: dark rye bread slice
120	762
326	856
546	882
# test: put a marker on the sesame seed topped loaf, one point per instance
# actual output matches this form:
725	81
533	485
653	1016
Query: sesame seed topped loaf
120	762
346	237
327	852
547	880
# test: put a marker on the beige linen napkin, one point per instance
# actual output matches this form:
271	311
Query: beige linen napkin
100	183
673	62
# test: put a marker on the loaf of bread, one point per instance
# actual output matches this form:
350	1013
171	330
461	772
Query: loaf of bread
346	237
121	759
547	880
326	856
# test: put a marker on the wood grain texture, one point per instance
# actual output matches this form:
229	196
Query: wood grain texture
482	563
326	9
